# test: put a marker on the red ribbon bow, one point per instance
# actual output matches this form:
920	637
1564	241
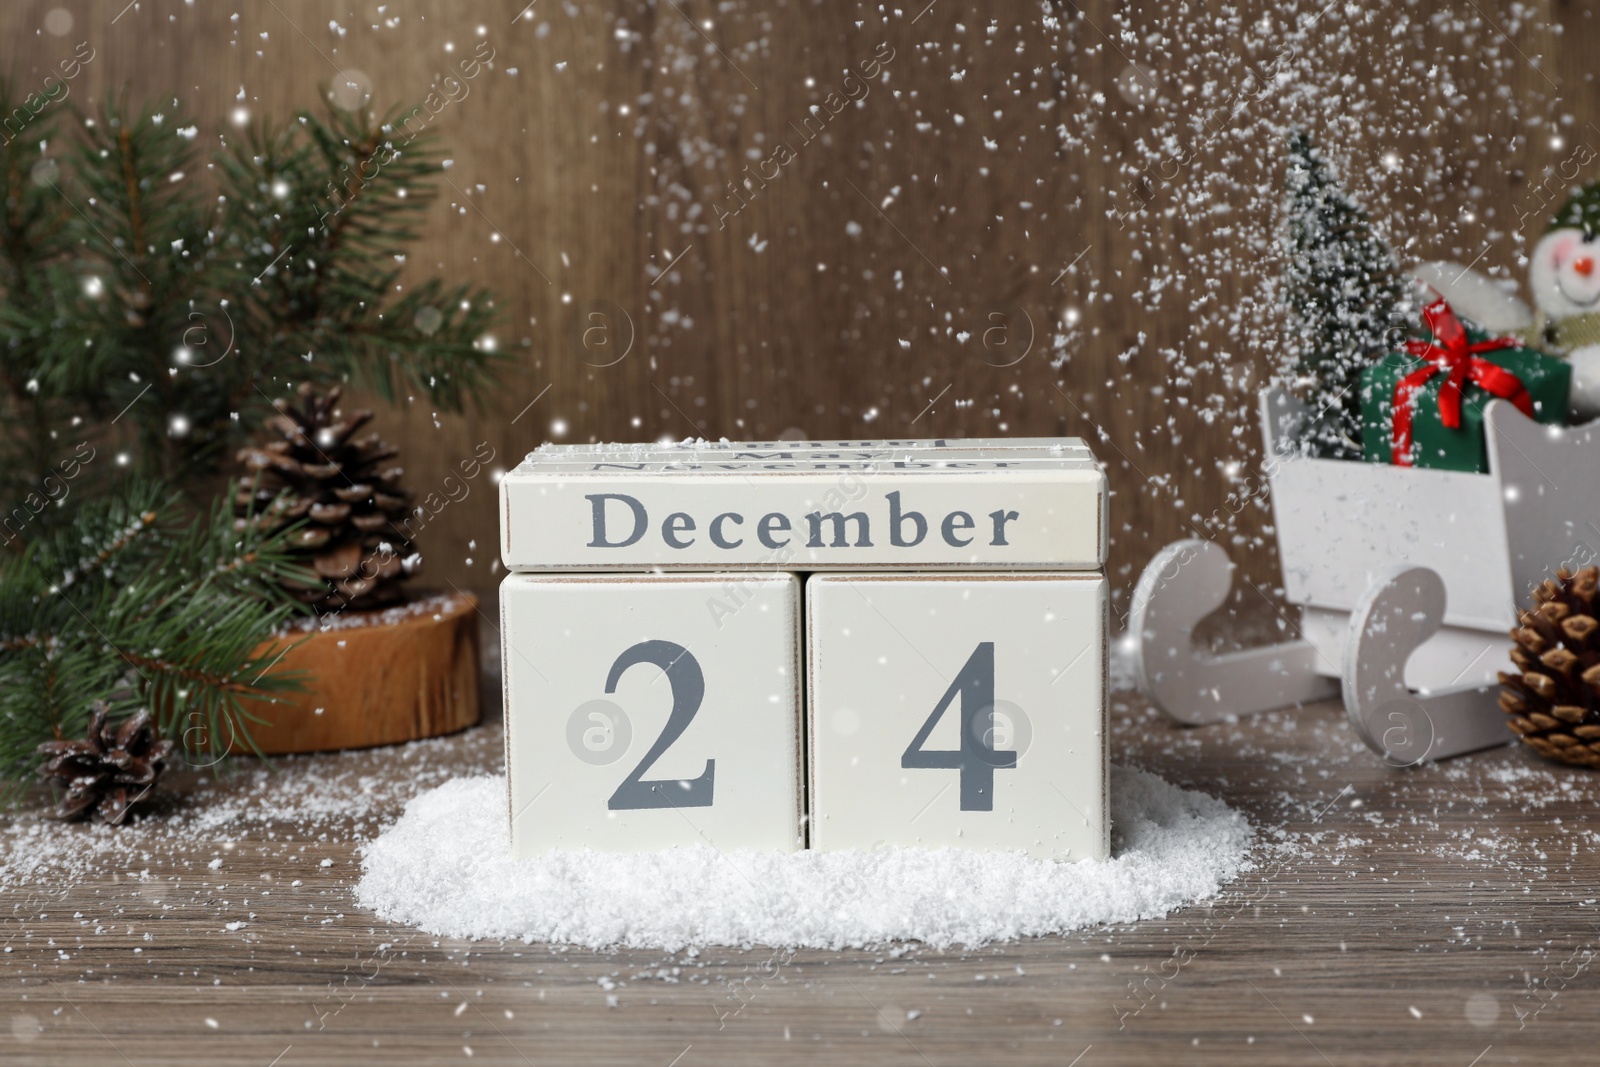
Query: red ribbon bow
1452	354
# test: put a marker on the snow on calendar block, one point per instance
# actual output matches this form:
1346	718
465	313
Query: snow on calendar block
959	710
1035	503
637	717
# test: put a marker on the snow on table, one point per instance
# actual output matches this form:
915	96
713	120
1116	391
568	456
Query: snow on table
445	866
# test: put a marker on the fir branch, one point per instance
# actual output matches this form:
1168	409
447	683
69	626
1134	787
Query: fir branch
130	181
142	524
335	303
127	258
160	614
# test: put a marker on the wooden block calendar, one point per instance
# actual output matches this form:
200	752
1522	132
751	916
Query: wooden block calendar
948	689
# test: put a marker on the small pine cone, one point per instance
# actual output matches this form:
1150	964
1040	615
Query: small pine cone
349	497
1553	701
109	771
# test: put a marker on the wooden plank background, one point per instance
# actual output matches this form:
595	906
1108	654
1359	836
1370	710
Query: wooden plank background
906	271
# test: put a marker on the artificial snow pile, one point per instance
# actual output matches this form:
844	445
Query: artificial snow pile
444	867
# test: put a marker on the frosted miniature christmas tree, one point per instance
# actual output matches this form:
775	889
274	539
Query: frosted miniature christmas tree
1344	297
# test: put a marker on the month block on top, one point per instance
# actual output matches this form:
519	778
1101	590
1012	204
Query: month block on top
958	710
809	505
644	712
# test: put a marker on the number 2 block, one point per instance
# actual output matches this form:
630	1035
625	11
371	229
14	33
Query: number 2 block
958	710
648	712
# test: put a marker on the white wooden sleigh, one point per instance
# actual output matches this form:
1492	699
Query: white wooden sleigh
1406	580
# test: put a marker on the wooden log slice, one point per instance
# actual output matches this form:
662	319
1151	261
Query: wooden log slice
375	678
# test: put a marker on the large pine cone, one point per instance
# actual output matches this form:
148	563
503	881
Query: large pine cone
1554	704
109	771
356	510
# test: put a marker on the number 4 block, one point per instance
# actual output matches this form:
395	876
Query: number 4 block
647	712
958	709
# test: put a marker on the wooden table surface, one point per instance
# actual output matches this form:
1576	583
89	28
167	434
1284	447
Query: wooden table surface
1440	915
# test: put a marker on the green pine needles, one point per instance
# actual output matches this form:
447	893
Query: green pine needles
155	298
148	284
1344	299
134	605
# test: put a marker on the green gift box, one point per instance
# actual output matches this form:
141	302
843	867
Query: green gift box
1444	382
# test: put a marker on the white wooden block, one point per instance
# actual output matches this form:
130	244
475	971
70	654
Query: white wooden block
650	712
886	505
1054	445
958	710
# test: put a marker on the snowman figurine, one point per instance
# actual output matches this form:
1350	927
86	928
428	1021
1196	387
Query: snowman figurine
1565	278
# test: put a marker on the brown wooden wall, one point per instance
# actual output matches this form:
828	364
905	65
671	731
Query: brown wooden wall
903	268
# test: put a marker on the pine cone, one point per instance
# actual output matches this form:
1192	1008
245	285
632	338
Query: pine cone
108	772
1554	704
356	509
